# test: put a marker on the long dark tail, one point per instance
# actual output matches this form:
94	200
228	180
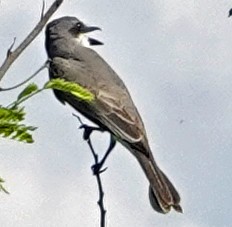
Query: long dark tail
163	195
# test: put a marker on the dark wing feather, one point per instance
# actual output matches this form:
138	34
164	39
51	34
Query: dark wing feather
113	106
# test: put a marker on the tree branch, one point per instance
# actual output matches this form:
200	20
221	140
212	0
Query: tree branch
97	167
45	65
100	188
13	55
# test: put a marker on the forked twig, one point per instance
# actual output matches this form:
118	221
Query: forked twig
97	167
13	55
45	65
42	11
9	51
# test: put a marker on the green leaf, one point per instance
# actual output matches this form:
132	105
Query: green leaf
71	87
27	91
16	131
10	126
2	187
12	114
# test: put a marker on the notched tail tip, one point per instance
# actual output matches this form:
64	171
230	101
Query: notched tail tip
178	208
160	206
156	204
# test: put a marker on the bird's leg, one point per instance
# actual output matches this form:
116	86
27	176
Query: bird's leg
97	167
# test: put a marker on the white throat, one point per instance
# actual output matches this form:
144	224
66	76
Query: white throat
83	40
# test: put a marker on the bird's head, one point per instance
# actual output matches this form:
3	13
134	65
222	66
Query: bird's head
71	28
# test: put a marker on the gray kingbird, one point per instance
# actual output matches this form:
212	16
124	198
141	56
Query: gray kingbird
112	109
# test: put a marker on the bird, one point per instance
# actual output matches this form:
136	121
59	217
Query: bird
113	110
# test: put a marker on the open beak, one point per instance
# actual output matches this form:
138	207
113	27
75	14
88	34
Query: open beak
86	29
92	41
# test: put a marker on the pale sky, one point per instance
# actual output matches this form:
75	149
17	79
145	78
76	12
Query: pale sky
175	58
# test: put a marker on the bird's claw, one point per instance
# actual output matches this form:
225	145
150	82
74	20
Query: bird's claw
96	168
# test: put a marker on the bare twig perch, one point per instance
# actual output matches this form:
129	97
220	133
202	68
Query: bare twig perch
97	167
45	65
13	55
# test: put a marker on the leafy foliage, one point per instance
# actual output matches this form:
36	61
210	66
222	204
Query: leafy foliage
74	88
31	88
2	188
11	114
11	117
11	127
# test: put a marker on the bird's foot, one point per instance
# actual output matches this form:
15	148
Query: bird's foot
97	168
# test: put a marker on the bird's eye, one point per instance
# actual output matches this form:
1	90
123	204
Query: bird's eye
78	25
76	28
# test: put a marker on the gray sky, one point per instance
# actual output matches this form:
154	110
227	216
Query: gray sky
175	58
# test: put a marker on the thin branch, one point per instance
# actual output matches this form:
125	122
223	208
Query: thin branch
38	28
42	11
45	65
17	102
100	188
10	48
87	129
96	168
